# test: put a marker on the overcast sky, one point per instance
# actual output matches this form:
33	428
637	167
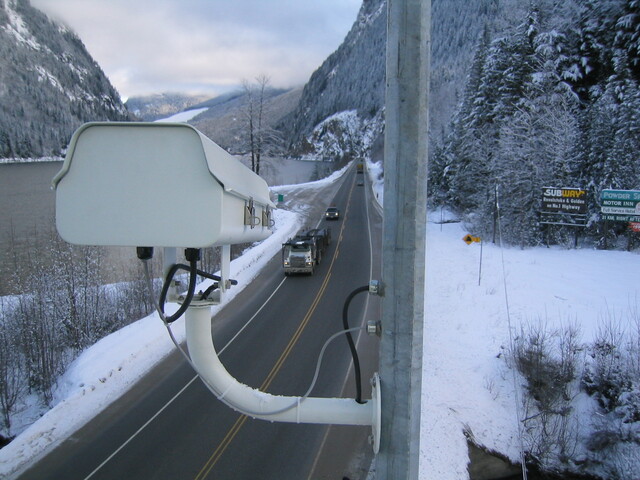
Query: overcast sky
208	46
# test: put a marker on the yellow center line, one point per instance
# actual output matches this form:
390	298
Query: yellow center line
298	332
226	441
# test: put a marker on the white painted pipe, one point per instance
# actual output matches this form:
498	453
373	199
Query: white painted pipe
257	404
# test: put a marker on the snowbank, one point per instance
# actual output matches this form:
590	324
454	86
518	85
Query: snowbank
109	368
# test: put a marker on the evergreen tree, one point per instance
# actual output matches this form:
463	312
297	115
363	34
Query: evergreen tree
627	38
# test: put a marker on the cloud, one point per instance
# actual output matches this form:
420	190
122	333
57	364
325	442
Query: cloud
151	46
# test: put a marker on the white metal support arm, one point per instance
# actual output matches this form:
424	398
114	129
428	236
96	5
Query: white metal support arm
253	402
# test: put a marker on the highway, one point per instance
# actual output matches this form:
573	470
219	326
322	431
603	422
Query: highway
169	426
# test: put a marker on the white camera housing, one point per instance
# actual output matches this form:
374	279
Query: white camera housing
157	185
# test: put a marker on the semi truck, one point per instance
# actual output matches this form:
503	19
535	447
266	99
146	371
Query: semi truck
303	252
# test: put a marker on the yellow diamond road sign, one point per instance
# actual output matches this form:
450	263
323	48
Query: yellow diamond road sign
469	239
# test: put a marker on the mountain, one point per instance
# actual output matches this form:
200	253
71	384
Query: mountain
353	77
153	107
225	120
49	84
222	118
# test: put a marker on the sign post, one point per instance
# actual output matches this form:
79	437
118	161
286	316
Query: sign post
469	239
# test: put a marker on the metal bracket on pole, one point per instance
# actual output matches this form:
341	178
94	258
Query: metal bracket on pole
275	408
225	269
169	259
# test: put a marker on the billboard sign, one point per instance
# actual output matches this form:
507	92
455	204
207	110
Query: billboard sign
572	201
620	205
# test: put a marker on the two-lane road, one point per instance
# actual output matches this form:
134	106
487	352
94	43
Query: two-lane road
171	427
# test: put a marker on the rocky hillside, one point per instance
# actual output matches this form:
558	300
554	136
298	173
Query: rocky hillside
49	84
353	77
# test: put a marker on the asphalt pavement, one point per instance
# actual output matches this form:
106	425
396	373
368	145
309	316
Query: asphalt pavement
169	426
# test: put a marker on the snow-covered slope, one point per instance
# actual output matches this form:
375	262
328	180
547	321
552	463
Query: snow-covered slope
183	116
153	107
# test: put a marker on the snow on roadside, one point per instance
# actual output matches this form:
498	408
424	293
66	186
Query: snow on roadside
467	388
103	372
312	185
375	172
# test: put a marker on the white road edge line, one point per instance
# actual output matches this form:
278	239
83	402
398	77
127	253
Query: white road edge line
139	430
219	353
182	389
364	316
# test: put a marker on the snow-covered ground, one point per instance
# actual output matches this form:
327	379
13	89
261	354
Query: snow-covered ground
184	116
466	385
474	295
31	160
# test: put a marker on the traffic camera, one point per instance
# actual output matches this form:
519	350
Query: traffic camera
157	184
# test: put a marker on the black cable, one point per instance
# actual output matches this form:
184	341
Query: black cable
352	345
208	291
193	258
193	271
211	276
202	273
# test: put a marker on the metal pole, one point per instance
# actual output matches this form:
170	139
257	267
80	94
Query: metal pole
405	160
480	266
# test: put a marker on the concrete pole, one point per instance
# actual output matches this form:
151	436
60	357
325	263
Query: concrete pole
405	174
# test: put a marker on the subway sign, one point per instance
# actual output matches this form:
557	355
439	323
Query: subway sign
620	205
572	201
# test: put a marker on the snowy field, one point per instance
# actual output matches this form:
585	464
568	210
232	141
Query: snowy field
466	386
183	116
474	296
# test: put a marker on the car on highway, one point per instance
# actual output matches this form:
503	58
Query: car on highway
332	213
